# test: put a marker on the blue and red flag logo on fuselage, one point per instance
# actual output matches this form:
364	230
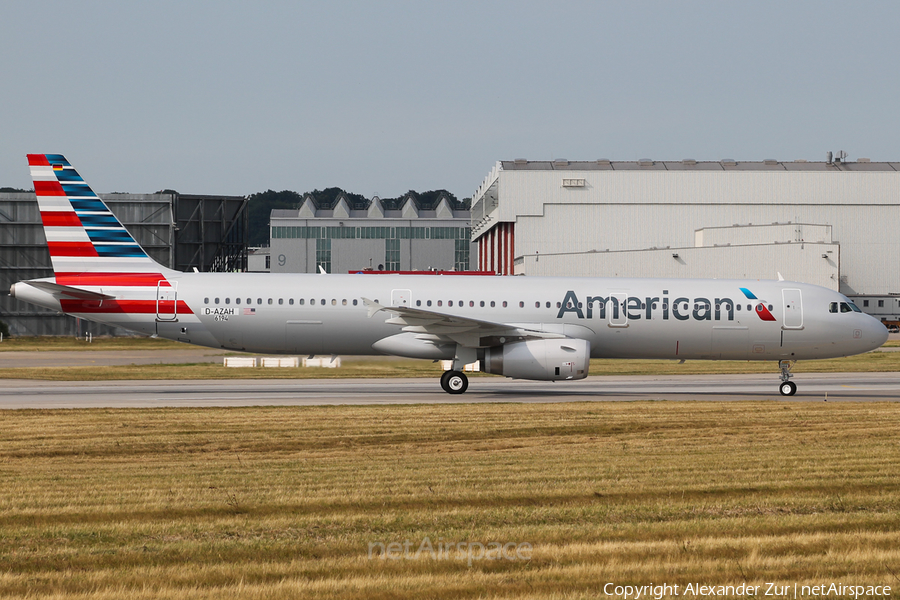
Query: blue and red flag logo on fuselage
762	310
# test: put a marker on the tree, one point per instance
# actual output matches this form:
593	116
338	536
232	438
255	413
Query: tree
260	206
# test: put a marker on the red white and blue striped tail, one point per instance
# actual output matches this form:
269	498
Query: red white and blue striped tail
88	245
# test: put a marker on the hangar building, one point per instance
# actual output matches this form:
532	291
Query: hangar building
400	235
831	223
180	231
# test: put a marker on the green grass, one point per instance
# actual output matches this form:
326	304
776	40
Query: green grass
362	368
284	502
53	343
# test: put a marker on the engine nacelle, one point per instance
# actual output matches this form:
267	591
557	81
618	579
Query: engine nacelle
545	360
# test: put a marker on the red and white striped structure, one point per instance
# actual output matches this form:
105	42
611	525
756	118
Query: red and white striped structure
497	249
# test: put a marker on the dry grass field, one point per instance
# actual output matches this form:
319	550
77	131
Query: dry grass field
387	367
286	502
367	367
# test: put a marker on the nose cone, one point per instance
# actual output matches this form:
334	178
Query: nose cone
875	333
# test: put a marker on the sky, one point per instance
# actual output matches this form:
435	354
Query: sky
382	97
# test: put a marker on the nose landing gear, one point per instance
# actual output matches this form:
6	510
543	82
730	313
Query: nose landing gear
787	387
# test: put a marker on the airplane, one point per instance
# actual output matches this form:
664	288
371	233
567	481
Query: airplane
537	328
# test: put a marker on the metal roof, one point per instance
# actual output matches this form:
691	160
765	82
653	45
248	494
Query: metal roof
693	165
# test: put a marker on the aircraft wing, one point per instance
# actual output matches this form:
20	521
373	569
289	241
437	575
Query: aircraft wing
66	291
437	326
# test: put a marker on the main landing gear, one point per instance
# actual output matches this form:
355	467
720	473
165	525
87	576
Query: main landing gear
787	387
454	382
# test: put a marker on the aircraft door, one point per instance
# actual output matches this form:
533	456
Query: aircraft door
400	297
166	301
615	311
793	309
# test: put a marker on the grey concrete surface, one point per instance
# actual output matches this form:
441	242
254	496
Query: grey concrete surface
832	387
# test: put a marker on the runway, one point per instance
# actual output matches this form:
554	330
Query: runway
831	387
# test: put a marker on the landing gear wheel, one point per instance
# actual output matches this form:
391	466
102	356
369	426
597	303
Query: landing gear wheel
454	382
787	387
444	377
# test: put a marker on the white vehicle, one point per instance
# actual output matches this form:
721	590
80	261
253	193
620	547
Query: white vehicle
542	328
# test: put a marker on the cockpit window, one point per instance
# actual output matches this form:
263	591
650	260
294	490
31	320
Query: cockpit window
833	307
854	307
845	308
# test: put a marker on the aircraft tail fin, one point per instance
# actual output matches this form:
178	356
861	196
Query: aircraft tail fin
88	244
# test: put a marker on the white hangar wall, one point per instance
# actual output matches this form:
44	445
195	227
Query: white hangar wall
733	262
723	219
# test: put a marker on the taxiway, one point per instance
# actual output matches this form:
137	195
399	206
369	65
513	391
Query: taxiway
831	387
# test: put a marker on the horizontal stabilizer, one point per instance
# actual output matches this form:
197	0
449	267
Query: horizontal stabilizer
68	291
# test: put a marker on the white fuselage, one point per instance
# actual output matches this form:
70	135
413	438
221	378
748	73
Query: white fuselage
620	317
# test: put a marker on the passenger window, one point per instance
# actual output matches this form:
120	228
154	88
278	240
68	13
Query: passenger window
504	304
418	303
344	302
521	304
281	301
334	301
228	301
439	302
559	305
548	305
302	301
354	302
291	301
312	301
537	304
217	300
237	300
482	304
259	300
493	304
206	301
270	301
428	303
249	300
450	303
472	303
460	302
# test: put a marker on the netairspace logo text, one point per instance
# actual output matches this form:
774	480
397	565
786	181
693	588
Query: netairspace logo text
657	592
468	551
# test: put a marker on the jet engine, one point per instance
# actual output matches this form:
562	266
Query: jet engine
545	360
